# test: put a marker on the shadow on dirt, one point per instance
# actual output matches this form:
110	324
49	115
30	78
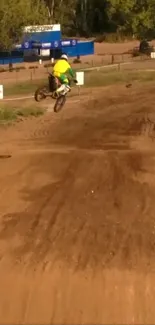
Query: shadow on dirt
97	215
5	156
103	127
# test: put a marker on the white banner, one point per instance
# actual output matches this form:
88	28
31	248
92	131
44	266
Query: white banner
42	28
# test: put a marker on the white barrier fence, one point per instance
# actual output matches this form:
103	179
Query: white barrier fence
1	92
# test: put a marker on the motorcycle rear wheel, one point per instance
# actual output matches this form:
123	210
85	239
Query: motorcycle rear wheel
41	93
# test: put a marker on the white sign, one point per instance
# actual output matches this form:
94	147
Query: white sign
42	28
56	44
80	78
46	45
45	52
73	42
1	91
18	46
152	55
26	44
63	43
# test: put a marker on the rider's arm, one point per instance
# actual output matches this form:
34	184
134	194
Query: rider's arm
71	72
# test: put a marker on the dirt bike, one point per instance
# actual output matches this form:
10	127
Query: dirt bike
49	90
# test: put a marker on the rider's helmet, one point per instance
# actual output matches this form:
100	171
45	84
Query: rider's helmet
64	56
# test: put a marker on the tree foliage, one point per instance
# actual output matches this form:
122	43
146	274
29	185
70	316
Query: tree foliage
87	17
14	15
77	17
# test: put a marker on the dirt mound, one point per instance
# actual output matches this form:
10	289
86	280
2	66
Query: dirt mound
77	209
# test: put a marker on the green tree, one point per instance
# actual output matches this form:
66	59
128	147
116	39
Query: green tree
133	16
77	17
14	15
63	12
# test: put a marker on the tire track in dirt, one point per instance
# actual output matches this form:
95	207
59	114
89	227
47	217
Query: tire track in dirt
47	226
36	224
84	236
118	177
106	146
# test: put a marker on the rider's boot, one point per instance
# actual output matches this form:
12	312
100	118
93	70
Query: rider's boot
64	89
67	89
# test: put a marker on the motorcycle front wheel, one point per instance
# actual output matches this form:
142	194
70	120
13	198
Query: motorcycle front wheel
60	102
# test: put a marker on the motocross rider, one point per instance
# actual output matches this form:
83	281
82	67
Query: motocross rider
61	69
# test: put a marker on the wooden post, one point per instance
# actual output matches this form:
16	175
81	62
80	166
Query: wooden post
16	76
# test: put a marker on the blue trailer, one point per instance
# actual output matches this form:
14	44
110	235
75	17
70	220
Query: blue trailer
45	42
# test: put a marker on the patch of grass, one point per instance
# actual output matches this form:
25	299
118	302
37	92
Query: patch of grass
77	61
49	65
103	77
30	111
106	78
33	67
2	69
23	88
9	115
112	37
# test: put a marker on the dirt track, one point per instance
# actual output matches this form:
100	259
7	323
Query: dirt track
77	225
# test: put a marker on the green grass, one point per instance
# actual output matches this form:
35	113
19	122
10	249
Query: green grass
106	78
29	111
9	114
22	88
99	78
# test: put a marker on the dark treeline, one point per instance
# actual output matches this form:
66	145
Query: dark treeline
124	18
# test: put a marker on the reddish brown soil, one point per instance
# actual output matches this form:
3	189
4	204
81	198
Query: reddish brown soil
77	213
